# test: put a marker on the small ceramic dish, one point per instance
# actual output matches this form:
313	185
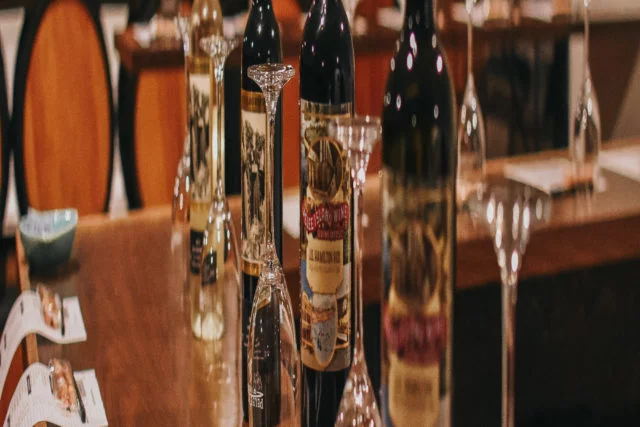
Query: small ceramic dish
47	237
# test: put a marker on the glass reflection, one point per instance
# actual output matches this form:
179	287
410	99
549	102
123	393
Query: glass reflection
505	210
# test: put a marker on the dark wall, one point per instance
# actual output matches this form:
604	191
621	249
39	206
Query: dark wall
577	350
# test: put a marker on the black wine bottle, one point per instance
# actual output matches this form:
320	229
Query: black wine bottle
326	227
419	157
261	44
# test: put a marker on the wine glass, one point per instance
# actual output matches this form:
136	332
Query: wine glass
182	183
273	362
584	149
358	136
221	290
510	211
180	220
471	136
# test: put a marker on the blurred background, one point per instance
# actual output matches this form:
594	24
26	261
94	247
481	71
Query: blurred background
527	84
578	348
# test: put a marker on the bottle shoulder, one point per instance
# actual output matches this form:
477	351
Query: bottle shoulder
327	67
326	34
419	112
419	78
260	43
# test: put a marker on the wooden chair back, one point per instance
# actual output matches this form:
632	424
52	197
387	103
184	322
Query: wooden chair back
63	108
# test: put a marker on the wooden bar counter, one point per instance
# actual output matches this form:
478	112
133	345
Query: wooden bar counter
150	370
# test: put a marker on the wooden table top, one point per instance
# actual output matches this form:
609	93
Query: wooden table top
378	39
139	343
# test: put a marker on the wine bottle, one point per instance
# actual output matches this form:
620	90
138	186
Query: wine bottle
419	157
260	44
326	228
206	20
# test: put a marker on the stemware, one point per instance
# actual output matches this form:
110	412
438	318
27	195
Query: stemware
219	254
471	134
219	304
510	211
584	149
182	183
273	360
358	136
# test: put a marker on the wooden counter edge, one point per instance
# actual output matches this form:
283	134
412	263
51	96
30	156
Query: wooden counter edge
30	342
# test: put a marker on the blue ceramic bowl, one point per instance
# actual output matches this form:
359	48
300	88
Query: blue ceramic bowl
48	236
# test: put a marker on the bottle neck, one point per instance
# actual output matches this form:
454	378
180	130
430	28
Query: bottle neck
260	2
419	14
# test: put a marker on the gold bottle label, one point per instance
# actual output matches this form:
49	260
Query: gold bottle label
325	240
253	122
416	319
200	127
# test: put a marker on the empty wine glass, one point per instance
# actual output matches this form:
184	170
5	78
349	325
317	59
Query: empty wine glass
182	183
180	222
220	300
273	363
471	136
584	149
358	136
510	211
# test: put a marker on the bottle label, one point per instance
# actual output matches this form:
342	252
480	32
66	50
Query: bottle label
418	247
325	240
254	129
196	251
200	126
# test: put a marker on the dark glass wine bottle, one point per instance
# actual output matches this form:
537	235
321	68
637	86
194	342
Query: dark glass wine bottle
261	44
419	157
326	228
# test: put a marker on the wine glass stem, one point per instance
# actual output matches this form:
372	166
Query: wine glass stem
586	37
509	289
271	123
470	47
186	81
219	176
358	205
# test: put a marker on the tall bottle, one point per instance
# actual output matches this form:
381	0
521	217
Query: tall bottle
326	91
261	44
419	159
206	20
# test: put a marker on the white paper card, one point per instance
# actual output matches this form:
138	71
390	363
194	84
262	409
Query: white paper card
551	175
624	161
291	215
34	402
26	318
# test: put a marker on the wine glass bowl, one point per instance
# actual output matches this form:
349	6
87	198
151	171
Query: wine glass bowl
471	143
510	211
471	132
587	143
358	135
584	148
218	48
